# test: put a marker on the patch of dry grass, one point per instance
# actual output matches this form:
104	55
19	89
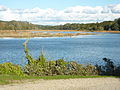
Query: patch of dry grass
29	34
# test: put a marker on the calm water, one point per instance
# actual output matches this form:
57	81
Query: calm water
83	49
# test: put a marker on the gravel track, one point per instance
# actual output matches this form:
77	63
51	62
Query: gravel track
67	84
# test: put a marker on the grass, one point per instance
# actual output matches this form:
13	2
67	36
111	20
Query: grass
29	34
9	79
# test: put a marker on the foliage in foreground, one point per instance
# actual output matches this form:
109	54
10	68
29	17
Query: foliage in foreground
109	69
41	67
9	68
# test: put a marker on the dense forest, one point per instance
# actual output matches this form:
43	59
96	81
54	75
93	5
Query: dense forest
22	25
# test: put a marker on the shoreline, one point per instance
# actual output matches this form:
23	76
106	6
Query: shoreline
62	30
73	30
29	34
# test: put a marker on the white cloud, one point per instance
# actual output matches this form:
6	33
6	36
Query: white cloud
77	14
115	8
2	8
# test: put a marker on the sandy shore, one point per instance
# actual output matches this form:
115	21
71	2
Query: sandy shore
67	84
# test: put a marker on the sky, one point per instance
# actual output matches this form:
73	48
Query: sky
56	12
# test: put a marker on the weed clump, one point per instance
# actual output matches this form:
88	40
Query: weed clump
42	67
11	69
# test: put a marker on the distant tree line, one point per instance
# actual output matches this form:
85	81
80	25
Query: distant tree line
106	25
22	25
17	25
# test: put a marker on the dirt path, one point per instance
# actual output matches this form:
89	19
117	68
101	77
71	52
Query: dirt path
68	84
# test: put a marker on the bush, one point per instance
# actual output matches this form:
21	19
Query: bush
74	68
109	68
9	68
41	67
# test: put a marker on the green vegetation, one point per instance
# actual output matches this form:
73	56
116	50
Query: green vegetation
42	69
106	25
9	68
8	79
109	69
19	25
16	25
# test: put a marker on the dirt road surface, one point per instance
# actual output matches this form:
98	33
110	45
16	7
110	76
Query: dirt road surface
67	84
